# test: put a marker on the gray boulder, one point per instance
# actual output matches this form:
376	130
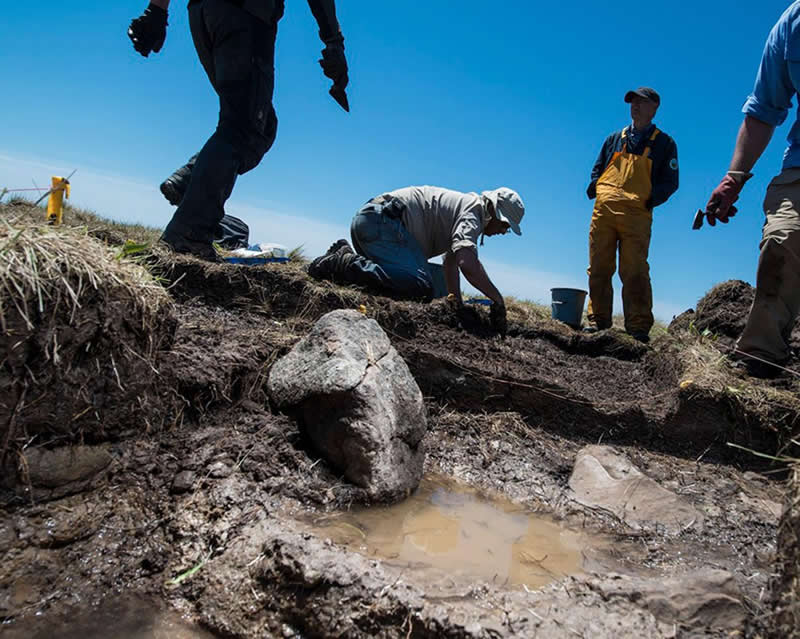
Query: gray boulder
357	402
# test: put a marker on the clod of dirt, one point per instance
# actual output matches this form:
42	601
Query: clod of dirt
723	311
50	474
785	623
81	331
604	479
357	402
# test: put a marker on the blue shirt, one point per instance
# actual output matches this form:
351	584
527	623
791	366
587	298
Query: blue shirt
778	80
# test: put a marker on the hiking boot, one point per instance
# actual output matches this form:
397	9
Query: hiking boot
331	266
760	369
640	336
340	244
188	246
172	191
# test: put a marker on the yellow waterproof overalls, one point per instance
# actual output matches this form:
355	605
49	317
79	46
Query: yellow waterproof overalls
621	217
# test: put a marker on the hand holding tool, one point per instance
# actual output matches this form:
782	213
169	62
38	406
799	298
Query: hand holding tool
334	66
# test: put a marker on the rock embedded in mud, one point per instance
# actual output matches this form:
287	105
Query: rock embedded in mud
699	600
357	402
57	472
183	482
603	478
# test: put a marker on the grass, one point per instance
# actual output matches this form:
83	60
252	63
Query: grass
44	268
22	211
527	311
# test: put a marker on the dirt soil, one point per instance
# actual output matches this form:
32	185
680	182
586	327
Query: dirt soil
206	514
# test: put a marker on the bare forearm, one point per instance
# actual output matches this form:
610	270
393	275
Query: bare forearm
754	136
476	275
451	277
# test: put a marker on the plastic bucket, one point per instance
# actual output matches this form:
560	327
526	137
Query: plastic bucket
567	305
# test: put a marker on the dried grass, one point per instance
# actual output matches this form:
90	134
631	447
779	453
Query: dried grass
45	268
705	368
20	211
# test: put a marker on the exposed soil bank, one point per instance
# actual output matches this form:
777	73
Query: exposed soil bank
209	513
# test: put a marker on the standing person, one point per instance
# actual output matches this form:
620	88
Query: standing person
235	41
765	339
637	170
395	234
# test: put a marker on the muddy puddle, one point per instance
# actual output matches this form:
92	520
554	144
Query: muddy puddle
121	619
448	527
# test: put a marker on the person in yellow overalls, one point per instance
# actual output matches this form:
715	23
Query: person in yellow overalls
637	170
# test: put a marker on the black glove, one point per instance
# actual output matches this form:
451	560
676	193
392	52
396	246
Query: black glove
591	190
333	63
149	31
497	316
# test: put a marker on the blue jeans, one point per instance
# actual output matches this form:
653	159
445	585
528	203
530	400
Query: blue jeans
389	259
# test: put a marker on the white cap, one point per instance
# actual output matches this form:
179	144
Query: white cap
508	206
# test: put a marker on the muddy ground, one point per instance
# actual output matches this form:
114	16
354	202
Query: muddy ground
207	514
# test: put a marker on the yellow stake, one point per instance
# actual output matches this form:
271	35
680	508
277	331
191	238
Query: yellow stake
55	203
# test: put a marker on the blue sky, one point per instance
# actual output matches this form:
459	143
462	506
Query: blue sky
513	93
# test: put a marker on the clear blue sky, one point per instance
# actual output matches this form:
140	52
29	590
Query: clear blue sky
469	95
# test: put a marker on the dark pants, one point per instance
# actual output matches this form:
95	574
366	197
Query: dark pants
389	259
237	51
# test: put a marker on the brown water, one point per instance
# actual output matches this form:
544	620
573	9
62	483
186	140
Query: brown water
128	618
448	526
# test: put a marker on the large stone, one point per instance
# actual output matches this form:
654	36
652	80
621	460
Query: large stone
601	478
357	402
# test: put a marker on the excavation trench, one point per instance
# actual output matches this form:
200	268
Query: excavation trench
212	508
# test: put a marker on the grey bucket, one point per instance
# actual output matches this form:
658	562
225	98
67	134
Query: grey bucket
567	305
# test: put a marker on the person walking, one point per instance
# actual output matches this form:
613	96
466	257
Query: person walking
235	42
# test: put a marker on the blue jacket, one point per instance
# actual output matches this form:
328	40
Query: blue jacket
778	80
664	154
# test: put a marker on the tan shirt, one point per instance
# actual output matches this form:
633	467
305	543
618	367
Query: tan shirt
442	220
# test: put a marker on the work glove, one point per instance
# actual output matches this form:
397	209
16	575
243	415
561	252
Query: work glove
333	62
591	190
720	204
148	31
497	317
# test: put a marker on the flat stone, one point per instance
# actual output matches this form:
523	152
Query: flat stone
602	478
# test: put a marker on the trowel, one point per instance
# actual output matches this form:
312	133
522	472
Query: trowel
698	219
338	94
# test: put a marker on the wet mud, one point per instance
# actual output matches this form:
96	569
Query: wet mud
227	519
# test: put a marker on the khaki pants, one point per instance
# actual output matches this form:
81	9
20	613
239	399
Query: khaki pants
623	227
777	300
